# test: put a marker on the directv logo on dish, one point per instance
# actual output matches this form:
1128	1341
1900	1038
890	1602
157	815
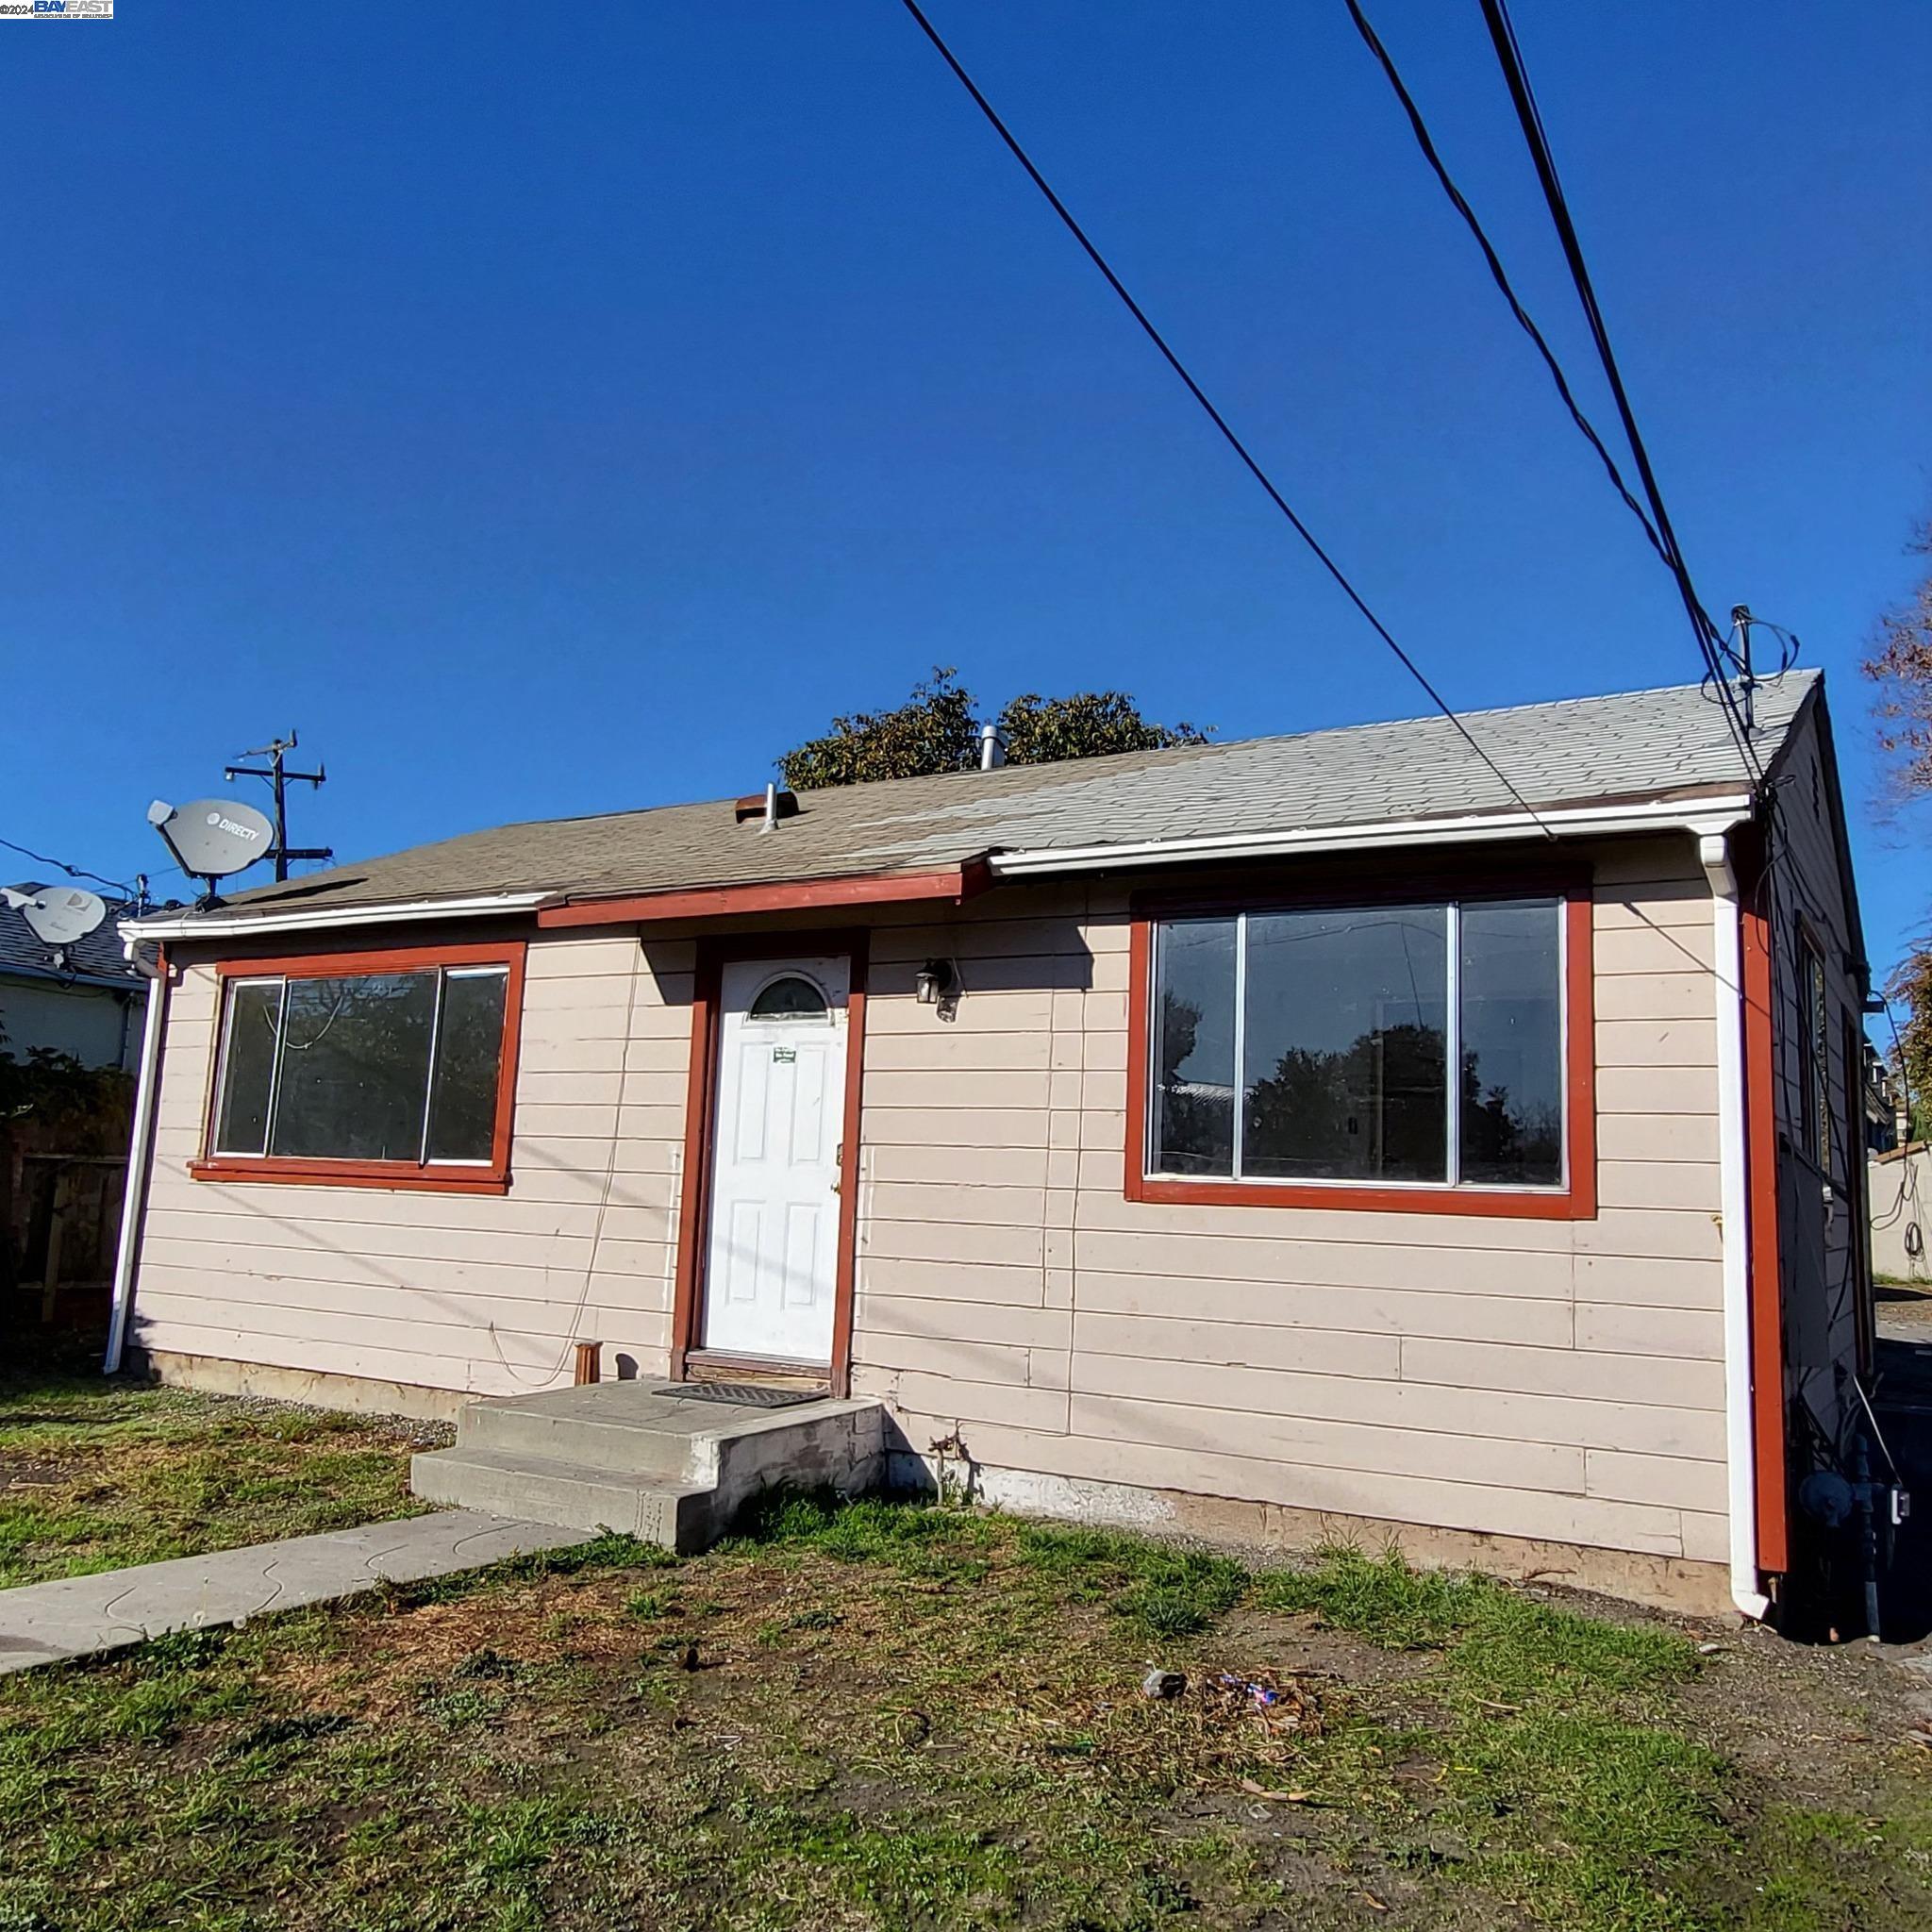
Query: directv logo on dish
228	825
56	10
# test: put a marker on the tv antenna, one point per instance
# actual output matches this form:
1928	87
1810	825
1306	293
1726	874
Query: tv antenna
280	778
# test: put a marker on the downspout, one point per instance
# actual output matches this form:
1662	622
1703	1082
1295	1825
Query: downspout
140	1147
1713	853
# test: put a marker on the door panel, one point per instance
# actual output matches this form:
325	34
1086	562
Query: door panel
772	1246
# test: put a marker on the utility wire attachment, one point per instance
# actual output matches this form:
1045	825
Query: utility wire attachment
73	872
1214	415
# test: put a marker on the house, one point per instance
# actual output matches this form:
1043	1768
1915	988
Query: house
1283	1139
80	999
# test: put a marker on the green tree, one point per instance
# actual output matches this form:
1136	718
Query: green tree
1088	725
937	730
1911	1055
934	731
1901	666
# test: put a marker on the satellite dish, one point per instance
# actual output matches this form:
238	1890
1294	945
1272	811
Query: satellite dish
212	837
59	914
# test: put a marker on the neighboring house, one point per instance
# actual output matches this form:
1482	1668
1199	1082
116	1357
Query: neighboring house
82	999
1534	1240
1900	1198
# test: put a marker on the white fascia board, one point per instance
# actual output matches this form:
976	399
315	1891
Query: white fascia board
216	926
1578	822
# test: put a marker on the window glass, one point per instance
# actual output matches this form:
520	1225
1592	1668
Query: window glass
249	1066
1193	1070
1343	1046
1816	1071
354	1067
1509	980
1337	1029
468	1046
790	998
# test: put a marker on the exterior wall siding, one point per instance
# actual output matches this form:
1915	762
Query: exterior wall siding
481	1294
1538	1380
1557	1380
1821	1209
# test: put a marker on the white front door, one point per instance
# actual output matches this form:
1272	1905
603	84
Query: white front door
771	1268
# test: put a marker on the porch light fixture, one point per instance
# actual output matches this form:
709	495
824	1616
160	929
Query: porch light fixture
935	984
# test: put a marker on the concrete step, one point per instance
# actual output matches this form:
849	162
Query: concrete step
574	1495
606	1440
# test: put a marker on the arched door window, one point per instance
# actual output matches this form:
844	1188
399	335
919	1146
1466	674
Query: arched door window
791	997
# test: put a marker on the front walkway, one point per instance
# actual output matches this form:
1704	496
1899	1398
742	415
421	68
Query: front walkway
78	1616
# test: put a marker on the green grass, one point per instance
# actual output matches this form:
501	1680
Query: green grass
889	1715
97	1473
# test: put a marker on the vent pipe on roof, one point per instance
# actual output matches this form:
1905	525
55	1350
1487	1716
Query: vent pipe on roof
993	749
771	823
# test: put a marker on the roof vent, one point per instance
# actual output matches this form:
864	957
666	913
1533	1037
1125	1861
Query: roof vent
770	805
993	748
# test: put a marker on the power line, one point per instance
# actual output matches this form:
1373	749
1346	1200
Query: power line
1460	202
1214	415
1509	56
73	872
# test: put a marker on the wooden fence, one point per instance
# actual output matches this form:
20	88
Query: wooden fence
62	1226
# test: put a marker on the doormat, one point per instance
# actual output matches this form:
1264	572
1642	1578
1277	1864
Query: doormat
745	1394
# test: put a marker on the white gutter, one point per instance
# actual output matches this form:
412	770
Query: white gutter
1576	822
223	925
140	1147
1713	853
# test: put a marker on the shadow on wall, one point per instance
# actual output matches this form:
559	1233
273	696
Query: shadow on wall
1904	1400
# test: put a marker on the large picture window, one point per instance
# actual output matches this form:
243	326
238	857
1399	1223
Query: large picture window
1407	1052
391	1069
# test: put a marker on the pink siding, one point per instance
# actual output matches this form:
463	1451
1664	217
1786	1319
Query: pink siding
482	1294
1548	1379
1536	1378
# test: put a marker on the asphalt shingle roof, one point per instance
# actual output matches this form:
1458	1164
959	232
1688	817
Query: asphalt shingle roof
1633	745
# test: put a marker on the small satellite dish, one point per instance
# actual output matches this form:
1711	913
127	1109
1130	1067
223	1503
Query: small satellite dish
59	914
212	837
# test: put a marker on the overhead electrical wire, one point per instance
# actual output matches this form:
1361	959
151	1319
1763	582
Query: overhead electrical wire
1372	40
1710	638
1214	415
73	872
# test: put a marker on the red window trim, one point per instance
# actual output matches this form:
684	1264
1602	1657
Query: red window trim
1576	1201
413	1176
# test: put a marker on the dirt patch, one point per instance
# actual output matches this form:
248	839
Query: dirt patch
939	1720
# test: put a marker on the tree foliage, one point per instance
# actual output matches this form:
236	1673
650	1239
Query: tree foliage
937	730
1902	669
1088	725
54	1095
1911	1055
934	731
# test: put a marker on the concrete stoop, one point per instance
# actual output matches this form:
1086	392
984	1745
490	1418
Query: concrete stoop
629	1456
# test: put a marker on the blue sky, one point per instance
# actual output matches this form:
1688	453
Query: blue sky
555	409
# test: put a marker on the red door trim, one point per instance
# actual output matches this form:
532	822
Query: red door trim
700	1114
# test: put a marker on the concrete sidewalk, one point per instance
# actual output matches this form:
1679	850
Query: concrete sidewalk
80	1616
